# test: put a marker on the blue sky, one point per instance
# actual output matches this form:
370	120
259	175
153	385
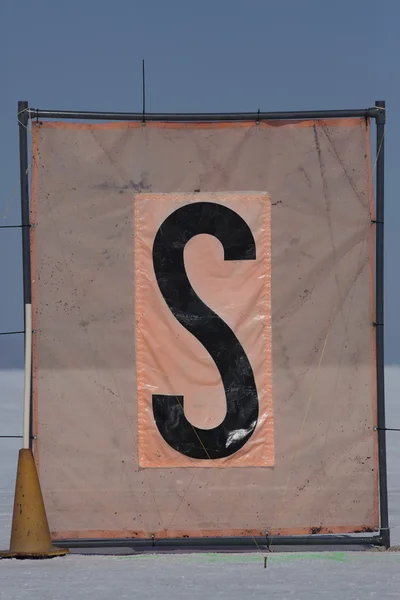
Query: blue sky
221	55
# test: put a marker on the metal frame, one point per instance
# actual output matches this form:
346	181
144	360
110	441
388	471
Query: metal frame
244	543
377	112
35	113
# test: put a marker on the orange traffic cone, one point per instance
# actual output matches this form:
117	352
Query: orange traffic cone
30	534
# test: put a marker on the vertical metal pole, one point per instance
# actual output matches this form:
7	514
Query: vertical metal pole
380	355
143	93
23	118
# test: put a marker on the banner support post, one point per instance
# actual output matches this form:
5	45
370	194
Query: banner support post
30	532
23	119
379	317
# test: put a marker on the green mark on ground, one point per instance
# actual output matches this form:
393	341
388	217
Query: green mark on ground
215	557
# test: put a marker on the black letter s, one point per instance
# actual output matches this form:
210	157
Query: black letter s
215	335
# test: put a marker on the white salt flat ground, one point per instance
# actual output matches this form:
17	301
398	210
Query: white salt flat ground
337	576
327	575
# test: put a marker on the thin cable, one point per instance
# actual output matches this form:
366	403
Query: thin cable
20	122
13	226
378	153
386	429
195	432
11	332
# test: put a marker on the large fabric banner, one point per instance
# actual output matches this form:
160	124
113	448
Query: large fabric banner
203	352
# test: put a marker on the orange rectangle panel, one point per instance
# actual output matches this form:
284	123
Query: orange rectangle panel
203	282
